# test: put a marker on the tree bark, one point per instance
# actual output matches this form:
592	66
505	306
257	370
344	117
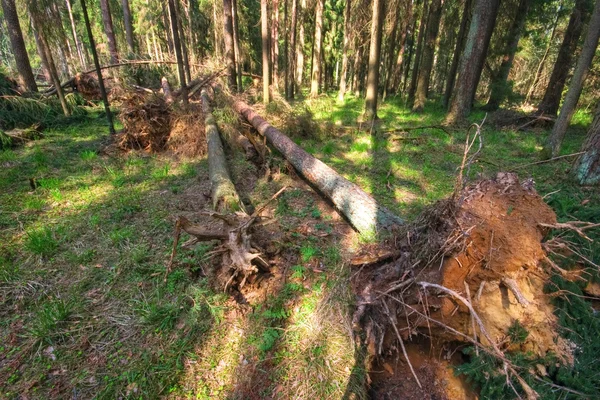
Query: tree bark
229	50
223	193
301	43
275	43
460	42
419	51
472	59
583	66
586	170
360	208
400	60
500	78
183	42
344	73
411	46
374	60
109	31
78	44
236	45
266	67
317	43
433	24
18	45
291	67
391	51
178	52
562	66
107	111
128	26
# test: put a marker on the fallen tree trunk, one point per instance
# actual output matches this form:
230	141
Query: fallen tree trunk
224	195
360	208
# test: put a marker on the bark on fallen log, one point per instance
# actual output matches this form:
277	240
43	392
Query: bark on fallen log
360	208
224	195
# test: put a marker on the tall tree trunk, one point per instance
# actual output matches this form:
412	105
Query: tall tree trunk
229	50
292	55
344	73
411	47
236	45
217	43
472	58
391	51
400	61
301	43
500	78
107	111
264	23
583	66
286	49
109	31
178	52
538	72
374	59
418	53
433	24
358	207
586	169
275	43
562	66
18	45
78	44
460	44
317	43
166	16
128	26
184	47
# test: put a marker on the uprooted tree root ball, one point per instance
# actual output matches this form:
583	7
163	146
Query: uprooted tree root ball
150	123
467	271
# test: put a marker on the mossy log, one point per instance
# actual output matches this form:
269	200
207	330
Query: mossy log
224	195
360	208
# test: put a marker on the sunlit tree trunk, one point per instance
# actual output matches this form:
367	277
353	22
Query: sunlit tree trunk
275	43
460	42
410	55
128	26
292	55
499	79
586	169
236	45
78	44
433	24
217	44
391	50
229	50
178	52
344	73
581	70
301	43
317	42
97	66
562	66
266	68
419	51
472	58
396	77
109	31
166	15
538	72
374	60
18	45
183	41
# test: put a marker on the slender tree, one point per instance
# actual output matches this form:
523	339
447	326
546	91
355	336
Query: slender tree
128	26
178	52
183	41
391	50
586	169
236	44
18	45
460	41
500	78
291	67
275	43
419	51
109	31
229	47
317	43
433	24
264	23
374	59
396	75
583	66
78	44
86	19
345	49
472	58
300	52
562	66
538	72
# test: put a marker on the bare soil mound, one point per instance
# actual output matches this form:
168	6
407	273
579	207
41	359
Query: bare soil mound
468	271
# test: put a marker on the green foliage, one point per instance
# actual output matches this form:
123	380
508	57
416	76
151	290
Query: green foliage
517	333
42	242
50	319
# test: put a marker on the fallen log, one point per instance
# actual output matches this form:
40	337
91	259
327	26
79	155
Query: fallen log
360	208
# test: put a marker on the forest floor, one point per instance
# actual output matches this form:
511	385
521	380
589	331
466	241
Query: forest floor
85	310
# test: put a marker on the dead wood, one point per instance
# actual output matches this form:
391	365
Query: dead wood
360	208
166	89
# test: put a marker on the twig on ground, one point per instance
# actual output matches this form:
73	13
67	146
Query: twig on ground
546	161
176	236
